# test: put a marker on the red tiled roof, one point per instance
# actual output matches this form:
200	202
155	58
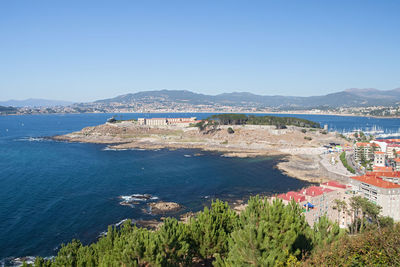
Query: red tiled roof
360	144
316	191
379	152
375	181
335	184
292	195
383	174
389	141
382	169
397	159
393	145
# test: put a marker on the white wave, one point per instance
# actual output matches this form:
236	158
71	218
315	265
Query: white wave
31	139
104	233
108	149
113	149
121	222
16	262
130	199
187	156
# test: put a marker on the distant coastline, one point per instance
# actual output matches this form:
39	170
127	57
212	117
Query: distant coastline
218	112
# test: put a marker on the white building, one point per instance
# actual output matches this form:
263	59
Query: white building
379	191
318	201
392	150
379	159
365	150
166	121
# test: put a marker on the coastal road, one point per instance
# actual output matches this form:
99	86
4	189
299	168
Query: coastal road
352	162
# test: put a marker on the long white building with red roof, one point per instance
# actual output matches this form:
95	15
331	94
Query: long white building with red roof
166	121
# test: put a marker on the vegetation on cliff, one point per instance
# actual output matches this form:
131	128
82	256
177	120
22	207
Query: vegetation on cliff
242	119
345	163
8	110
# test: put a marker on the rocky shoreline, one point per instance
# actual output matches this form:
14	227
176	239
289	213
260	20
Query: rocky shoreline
300	148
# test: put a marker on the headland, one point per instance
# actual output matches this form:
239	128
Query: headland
301	148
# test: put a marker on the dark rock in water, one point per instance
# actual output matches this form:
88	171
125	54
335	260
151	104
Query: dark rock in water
128	203
144	197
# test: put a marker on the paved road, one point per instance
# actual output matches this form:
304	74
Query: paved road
336	167
352	162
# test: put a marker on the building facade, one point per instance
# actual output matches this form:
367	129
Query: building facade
166	121
379	159
378	189
365	151
318	201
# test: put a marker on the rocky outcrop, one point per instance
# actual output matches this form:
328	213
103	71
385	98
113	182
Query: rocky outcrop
164	207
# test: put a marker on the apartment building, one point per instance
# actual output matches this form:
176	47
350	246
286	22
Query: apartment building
392	150
378	188
393	177
365	150
396	162
379	159
318	201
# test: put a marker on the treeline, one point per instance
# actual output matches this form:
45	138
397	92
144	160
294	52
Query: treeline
242	119
264	234
8	110
345	163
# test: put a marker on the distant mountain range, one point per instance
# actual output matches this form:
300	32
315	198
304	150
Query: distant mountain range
32	102
348	98
182	98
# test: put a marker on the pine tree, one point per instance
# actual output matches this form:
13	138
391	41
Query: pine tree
268	235
173	244
211	228
67	256
325	232
40	262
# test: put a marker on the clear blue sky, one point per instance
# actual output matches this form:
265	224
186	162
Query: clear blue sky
87	50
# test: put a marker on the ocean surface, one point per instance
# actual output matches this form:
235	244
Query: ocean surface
52	192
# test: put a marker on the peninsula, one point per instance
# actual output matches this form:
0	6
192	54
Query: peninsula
299	142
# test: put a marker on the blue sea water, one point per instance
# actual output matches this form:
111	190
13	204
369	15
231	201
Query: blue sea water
52	192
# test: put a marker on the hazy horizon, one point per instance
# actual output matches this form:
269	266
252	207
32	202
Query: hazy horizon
84	51
66	100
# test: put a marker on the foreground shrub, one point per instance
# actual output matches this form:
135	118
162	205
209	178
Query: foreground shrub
211	229
371	248
268	234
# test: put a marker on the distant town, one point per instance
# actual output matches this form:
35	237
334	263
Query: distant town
159	107
358	102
